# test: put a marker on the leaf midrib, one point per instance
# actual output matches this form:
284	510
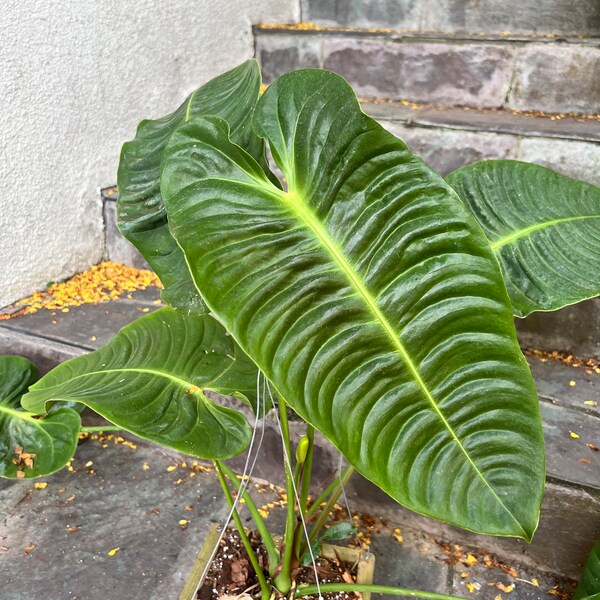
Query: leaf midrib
515	235
293	200
177	380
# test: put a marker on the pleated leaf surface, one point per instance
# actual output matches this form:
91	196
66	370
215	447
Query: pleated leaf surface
141	214
370	298
543	227
31	447
151	379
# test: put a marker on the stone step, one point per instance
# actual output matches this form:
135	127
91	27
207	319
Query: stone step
569	523
550	17
483	72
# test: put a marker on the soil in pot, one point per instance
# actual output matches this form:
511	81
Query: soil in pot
231	573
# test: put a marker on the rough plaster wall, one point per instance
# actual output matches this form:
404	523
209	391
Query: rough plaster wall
76	76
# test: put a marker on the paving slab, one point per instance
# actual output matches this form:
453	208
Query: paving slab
56	542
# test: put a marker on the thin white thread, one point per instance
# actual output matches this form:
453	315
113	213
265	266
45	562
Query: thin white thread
245	478
288	464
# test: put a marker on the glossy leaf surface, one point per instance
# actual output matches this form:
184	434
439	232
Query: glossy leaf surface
141	214
543	227
369	297
151	380
31	446
589	584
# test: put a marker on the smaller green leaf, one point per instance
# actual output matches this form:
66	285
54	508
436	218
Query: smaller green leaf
31	446
151	379
543	228
589	584
140	211
315	547
339	531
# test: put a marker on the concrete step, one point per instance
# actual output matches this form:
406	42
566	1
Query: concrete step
550	17
156	507
475	71
569	523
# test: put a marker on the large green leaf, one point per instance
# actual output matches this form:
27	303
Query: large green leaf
151	379
589	584
543	227
29	445
369	297
141	214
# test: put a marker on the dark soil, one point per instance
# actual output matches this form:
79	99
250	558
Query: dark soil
232	574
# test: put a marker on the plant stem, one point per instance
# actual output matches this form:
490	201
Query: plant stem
326	511
283	580
309	590
304	486
101	428
266	537
307	471
328	490
264	586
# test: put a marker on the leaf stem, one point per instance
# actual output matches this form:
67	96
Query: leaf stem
266	537
328	490
264	586
100	428
327	510
283	580
309	590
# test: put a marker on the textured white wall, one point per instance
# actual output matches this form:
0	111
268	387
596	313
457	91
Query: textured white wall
76	76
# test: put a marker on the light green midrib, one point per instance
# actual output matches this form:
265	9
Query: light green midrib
180	382
188	108
515	235
313	224
19	414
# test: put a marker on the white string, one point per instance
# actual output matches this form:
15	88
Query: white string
288	465
247	473
347	506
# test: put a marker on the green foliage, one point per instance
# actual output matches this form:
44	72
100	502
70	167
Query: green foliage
151	380
30	446
369	297
589	584
141	214
335	533
542	226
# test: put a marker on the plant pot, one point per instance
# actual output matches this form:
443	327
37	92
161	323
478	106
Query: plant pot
365	565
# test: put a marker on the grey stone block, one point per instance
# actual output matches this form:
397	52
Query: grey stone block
491	121
278	54
447	150
554	382
561	17
459	74
44	354
88	326
117	248
115	503
573	329
393	14
580	160
415	563
556	78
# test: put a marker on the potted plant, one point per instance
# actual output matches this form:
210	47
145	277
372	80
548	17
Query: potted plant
358	288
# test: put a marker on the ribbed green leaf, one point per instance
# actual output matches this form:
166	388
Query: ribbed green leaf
151	380
369	297
141	215
48	442
589	584
543	227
